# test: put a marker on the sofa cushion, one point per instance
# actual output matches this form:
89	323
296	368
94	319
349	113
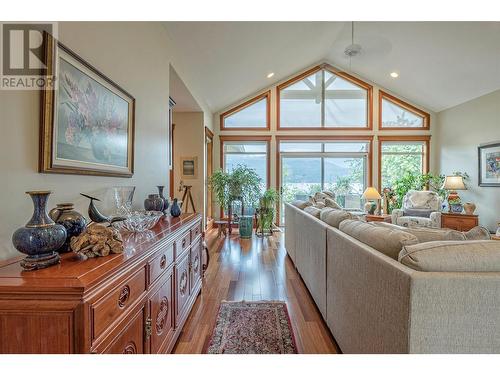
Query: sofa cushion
426	234
388	241
334	217
319	205
478	233
314	211
329	202
453	256
301	204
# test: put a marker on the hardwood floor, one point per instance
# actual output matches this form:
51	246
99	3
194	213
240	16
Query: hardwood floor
253	270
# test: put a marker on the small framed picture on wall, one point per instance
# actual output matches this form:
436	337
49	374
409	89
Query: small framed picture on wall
189	167
489	164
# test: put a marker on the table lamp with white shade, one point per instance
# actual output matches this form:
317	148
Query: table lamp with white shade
452	184
371	194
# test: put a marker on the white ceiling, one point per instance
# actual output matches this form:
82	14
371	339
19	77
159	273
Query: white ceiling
184	101
441	64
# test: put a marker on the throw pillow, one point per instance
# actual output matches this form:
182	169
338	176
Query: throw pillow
329	202
478	233
388	241
452	256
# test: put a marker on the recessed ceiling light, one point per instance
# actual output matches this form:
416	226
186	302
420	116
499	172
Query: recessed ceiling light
394	74
270	75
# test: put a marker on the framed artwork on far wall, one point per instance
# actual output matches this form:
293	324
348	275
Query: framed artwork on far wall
189	167
87	120
489	164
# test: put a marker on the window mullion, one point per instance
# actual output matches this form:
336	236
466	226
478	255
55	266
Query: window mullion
323	98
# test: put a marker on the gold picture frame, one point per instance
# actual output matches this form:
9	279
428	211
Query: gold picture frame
86	120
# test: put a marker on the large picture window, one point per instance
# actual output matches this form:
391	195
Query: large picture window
250	115
401	155
308	166
252	152
397	114
324	98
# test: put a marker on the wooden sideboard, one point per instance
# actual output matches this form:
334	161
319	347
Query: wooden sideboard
460	222
134	302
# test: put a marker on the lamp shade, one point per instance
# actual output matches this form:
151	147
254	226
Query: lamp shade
371	193
454	183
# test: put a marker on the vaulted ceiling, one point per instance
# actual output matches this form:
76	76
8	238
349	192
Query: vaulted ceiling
440	64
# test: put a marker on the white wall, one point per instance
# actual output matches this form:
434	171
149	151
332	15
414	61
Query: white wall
135	55
189	141
460	131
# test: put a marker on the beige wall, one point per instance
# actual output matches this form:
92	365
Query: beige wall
189	141
460	131
135	55
274	131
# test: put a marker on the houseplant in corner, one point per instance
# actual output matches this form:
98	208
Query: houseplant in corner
241	184
266	212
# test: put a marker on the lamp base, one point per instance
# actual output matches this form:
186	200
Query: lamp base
452	196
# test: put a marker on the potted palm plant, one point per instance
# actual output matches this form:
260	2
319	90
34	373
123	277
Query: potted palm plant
241	184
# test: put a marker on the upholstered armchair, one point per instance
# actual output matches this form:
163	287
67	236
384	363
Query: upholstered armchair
419	208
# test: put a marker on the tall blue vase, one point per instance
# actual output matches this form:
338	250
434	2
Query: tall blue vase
40	238
175	210
165	200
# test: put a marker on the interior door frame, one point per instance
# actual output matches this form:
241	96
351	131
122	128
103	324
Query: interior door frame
209	169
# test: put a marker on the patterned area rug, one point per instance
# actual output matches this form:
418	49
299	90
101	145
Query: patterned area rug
252	328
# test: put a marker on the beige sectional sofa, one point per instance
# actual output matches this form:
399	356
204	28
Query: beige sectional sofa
374	303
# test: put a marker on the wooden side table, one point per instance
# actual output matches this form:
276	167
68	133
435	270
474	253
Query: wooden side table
382	217
460	222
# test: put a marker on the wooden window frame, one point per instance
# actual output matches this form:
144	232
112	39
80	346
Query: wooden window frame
426	139
255	99
319	138
416	111
341	74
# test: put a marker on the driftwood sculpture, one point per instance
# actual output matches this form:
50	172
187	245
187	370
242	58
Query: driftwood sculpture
97	241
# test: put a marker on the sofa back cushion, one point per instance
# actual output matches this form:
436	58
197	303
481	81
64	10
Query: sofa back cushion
314	211
329	202
478	233
425	234
452	256
334	217
388	241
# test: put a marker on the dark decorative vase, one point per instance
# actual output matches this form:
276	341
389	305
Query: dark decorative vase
73	221
175	210
165	200
153	203
41	237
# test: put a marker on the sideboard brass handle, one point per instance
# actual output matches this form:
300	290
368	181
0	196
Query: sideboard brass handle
183	243
148	328
163	261
124	295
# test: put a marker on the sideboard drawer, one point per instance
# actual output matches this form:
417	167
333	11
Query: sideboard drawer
182	244
161	262
115	303
195	231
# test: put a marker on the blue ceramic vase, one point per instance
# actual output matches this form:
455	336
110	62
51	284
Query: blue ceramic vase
73	221
165	200
41	237
175	210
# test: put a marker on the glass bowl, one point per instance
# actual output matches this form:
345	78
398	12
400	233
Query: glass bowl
139	221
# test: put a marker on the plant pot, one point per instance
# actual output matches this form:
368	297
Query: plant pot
246	226
456	208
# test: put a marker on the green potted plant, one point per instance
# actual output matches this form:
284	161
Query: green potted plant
241	184
266	212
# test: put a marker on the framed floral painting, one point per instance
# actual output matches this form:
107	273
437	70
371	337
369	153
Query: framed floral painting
87	121
489	164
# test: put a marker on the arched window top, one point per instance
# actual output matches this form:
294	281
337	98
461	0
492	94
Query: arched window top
395	114
250	115
324	97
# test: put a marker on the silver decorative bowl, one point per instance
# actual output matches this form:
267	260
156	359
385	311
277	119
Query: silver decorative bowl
139	221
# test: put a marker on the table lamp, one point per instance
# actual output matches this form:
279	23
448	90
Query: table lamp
452	184
371	194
